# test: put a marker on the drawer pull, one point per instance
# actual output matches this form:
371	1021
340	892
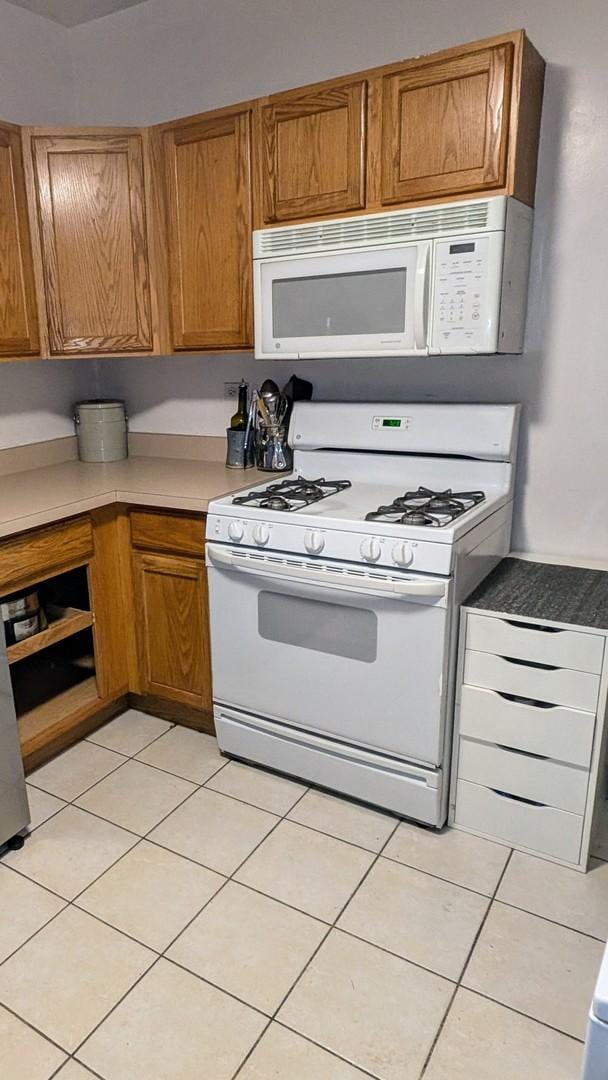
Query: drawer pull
516	798
533	626
531	663
524	753
533	702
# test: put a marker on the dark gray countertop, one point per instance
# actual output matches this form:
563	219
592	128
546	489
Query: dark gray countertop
532	590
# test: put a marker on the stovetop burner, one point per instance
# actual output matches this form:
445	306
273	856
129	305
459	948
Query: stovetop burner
426	507
293	494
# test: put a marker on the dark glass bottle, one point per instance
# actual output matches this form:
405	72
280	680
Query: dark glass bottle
239	420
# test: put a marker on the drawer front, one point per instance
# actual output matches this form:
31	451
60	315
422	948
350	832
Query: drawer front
561	648
35	555
554	731
182	533
536	828
558	686
539	779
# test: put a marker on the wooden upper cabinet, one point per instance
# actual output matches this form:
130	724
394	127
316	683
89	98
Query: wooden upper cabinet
18	318
312	153
92	221
209	226
445	125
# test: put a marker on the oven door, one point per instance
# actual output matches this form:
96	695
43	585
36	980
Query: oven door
364	302
357	655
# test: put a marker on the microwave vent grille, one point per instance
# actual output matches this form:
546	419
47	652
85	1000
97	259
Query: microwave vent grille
373	230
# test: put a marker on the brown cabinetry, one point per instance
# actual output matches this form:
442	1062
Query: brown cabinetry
92	222
170	602
208	183
18	317
312	152
445	125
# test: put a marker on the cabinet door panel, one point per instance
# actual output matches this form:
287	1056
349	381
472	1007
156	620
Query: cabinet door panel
18	319
170	595
209	195
313	152
93	234
445	126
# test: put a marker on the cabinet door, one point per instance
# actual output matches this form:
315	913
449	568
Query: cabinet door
209	241
171	613
445	125
93	235
313	151
18	319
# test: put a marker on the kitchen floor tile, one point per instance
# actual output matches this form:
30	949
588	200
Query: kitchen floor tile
283	1055
25	908
454	855
151	894
577	900
42	806
72	1070
187	753
258	787
77	769
25	1055
379	1012
431	922
545	971
214	830
481	1039
69	851
136	796
130	732
306	869
344	819
69	976
173	1025
249	945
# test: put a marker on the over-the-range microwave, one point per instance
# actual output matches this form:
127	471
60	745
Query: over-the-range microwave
449	278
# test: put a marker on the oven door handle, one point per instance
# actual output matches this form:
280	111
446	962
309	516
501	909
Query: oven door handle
324	578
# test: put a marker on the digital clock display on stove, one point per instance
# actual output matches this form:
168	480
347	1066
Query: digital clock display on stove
400	422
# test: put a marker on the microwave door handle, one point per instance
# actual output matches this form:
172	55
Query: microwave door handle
324	578
421	298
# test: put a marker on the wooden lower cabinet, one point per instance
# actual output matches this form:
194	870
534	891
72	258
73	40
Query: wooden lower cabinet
170	609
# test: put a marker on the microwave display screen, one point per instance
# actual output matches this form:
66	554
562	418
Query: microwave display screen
366	302
461	249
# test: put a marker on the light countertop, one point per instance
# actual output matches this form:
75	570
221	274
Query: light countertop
45	494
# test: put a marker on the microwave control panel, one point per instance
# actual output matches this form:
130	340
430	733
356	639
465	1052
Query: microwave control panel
466	291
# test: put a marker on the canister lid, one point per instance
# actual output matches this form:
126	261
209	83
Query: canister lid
96	404
100	411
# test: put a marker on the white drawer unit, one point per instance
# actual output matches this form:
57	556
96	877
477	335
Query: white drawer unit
536	644
530	733
536	778
541	829
524	724
558	686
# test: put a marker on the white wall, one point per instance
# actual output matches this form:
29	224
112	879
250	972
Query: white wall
36	399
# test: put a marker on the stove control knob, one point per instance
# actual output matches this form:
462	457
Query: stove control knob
261	534
236	530
403	554
370	549
314	542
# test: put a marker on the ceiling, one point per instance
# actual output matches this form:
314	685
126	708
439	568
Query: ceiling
73	12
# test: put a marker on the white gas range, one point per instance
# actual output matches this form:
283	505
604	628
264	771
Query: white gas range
334	594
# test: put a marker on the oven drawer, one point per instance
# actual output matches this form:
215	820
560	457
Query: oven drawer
536	644
541	829
551	730
515	773
559	686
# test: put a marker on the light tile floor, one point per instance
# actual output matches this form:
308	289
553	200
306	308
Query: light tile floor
176	915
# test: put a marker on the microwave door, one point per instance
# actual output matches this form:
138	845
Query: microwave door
357	303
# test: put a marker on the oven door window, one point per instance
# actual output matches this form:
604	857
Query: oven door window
330	628
336	305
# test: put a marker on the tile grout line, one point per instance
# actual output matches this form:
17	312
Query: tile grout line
465	965
331	926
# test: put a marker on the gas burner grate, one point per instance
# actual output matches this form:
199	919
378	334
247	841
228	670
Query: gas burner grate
292	494
426	507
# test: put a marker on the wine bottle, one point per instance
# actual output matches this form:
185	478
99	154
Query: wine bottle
239	421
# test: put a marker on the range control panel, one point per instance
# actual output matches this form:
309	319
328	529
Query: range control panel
462	283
